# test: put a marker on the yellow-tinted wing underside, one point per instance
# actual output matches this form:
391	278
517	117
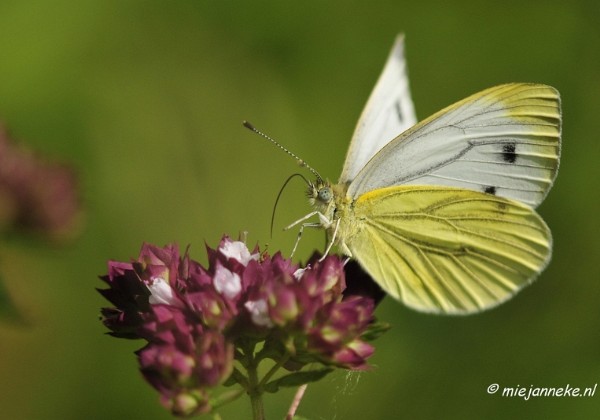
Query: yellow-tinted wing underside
447	250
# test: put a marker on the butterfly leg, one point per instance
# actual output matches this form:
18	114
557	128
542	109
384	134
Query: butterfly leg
324	222
308	216
302	226
332	241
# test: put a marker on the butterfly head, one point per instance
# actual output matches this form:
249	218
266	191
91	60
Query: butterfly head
319	193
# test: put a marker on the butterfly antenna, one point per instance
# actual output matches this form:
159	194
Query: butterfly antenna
300	161
279	195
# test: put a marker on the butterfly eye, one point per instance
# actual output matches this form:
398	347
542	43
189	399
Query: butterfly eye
325	195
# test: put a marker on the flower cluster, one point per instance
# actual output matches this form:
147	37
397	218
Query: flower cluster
244	307
36	195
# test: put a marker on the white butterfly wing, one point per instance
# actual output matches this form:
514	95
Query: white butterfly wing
389	112
504	140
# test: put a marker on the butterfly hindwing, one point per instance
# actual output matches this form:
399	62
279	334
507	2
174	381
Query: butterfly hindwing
503	141
446	250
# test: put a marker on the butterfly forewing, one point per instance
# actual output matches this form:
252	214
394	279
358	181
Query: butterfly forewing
389	112
503	141
446	250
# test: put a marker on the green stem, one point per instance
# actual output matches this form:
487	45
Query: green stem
272	371
240	378
255	393
254	388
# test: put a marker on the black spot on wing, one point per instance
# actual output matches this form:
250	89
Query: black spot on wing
509	152
399	112
490	190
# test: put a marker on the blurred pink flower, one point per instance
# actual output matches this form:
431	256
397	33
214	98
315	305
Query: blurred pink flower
36	195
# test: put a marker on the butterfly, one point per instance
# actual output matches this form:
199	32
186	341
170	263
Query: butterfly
440	213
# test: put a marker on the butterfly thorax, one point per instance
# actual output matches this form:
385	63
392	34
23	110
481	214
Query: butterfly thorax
332	201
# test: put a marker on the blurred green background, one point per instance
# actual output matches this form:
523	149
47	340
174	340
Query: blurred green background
146	98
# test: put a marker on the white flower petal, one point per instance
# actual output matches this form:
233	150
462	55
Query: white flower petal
161	292
300	272
227	283
259	312
238	251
